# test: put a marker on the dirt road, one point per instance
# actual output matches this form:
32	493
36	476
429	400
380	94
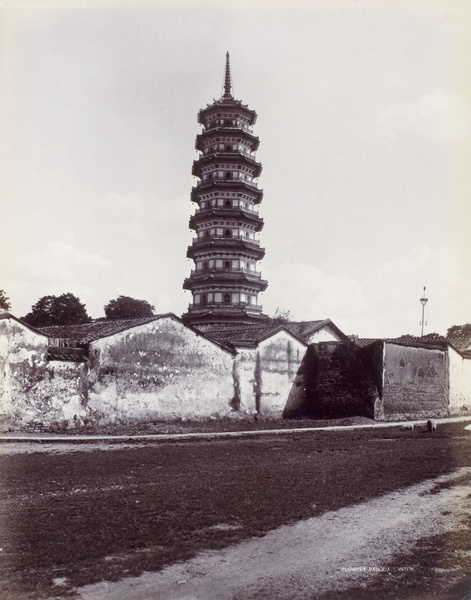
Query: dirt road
354	548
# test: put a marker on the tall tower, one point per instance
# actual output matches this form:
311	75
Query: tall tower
226	282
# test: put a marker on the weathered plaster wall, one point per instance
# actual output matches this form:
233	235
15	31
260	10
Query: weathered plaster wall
460	382
332	382
247	366
280	357
415	382
267	374
22	363
34	392
160	371
326	334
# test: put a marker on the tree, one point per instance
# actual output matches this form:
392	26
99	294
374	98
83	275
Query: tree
458	330
282	315
57	310
125	307
4	301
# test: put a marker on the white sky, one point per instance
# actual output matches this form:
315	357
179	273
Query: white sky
364	118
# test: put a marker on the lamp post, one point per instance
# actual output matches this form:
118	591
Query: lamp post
423	301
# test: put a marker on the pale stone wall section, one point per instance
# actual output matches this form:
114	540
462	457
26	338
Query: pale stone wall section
160	371
416	382
249	381
460	382
326	334
280	358
34	391
22	360
267	374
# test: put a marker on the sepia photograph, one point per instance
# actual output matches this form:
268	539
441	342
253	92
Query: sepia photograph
235	300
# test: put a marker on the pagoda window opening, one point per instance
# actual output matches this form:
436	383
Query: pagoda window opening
228	148
228	203
205	266
227	298
227	233
227	265
204	299
228	175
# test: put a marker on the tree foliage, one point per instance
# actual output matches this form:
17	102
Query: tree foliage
282	315
125	307
4	301
456	330
57	310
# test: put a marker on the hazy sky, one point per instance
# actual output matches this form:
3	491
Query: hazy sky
364	119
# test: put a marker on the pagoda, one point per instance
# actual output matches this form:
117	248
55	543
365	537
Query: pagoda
226	281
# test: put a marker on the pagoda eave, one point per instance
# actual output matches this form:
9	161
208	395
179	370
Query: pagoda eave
200	247
234	158
207	134
223	106
225	279
223	185
218	213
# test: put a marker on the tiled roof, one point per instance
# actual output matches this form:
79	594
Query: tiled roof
434	341
364	342
89	332
304	329
239	334
460	341
253	334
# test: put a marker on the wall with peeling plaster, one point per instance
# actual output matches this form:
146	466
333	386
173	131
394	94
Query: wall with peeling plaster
415	382
267	374
164	370
35	393
326	334
160	371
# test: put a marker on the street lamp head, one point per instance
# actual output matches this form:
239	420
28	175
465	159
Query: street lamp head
424	300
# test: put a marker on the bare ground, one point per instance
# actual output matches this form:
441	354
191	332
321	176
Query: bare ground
338	554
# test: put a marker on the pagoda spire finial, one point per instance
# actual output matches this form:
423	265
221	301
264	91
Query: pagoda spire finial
227	78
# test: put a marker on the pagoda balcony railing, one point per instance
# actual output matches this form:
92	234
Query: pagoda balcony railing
239	125
231	151
225	180
226	306
225	270
228	238
243	208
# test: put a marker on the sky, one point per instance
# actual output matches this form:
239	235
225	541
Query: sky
364	120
